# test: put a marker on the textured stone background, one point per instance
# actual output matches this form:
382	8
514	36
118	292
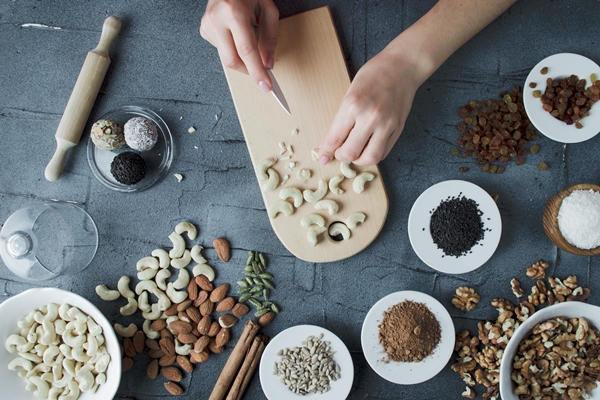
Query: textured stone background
160	62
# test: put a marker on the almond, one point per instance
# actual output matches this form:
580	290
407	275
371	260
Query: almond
185	364
204	325
222	248
199	357
212	346
204	283
182	316
171	373
171	310
152	344
166	360
193	314
126	363
219	293
207	307
156	353
201	344
195	332
187	338
183	305
265	319
167	346
180	327
128	347
239	309
165	333
226	304
152	369
174	388
222	337
139	341
214	329
192	290
158	325
227	320
202	296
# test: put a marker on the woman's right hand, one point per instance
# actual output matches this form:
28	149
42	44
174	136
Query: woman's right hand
245	34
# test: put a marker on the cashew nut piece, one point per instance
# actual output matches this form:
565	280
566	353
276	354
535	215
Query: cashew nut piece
41	385
266	164
347	171
181	262
128	331
182	349
163	257
161	279
303	174
130	308
174	295
123	287
178	245
312	219
314	196
358	184
334	184
204	269
273	181
330	205
20	363
195	254
339	228
313	234
183	279
355	219
150	333
281	206
106	294
188	228
154	314
143	303
294	193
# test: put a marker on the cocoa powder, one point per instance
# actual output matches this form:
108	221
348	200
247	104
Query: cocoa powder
409	332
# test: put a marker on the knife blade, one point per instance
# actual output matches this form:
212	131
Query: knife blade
278	93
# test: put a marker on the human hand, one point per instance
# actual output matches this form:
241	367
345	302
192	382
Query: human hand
245	34
373	111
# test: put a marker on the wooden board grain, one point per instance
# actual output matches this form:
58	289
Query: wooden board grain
312	73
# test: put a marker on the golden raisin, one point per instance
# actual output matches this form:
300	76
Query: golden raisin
542	166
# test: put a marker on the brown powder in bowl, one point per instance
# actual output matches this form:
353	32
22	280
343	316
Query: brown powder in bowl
409	332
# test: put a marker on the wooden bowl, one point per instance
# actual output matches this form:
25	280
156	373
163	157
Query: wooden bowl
550	220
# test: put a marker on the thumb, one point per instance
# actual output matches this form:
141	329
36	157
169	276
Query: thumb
335	138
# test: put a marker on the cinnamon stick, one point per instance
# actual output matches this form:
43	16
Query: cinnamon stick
247	369
232	365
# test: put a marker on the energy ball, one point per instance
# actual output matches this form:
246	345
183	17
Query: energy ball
128	168
107	134
141	134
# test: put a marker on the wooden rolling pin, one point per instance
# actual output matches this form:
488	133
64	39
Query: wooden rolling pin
82	98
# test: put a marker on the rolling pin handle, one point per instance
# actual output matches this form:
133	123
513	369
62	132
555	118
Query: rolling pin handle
110	30
54	168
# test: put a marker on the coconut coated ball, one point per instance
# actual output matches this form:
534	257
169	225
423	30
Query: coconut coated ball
107	134
128	168
141	134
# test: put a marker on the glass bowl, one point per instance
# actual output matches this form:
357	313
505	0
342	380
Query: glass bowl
158	159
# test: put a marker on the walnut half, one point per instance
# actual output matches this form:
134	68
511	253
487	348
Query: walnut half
465	298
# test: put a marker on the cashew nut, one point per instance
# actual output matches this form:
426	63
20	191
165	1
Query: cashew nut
54	392
49	335
143	303
195	254
334	184
204	269
358	184
66	351
273	181
34	358
150	333
73	392
174	295
102	363
355	219
181	262
76	313
123	287
154	314
330	205
128	331
294	193
188	228
59	326
106	294
163	257
149	286
281	206
130	308
163	300
20	363
63	312
27	321
182	349
339	228
267	163
183	279
50	313
313	234
92	345
146	274
41	385
85	378
73	340
147	267
314	196
79	355
178	245
13	342
161	278
50	356
312	219
347	171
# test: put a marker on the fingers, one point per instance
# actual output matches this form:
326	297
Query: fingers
244	38
267	33
338	132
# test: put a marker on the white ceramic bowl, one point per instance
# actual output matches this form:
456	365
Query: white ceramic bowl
13	309
571	309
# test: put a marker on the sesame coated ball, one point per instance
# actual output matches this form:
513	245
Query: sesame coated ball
141	134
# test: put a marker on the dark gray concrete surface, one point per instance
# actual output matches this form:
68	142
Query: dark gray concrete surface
159	61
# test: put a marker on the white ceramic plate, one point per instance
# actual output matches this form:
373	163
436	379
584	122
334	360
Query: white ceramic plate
275	390
560	66
420	234
571	309
158	159
407	373
13	309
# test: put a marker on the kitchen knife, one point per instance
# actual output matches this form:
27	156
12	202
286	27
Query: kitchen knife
278	93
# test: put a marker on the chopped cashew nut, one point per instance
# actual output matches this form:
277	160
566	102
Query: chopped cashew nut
313	234
263	167
312	219
181	262
314	154
163	257
178	245
106	294
123	287
334	184
128	331
204	269
358	184
314	196
330	205
303	174
347	171
188	228
294	193
355	219
195	254
339	228
273	181
281	206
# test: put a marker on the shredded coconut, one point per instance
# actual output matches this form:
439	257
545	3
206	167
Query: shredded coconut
579	219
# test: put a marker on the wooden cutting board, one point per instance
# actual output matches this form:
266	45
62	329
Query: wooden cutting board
312	73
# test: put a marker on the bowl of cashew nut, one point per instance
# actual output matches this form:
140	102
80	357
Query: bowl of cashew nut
56	344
